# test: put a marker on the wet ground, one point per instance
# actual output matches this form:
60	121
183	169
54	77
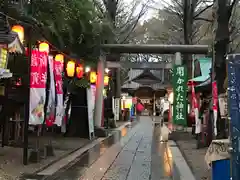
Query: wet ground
135	153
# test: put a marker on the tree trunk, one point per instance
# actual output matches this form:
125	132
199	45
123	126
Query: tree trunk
188	30
221	43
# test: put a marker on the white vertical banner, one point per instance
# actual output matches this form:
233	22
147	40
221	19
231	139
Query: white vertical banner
113	105
50	113
58	70
38	77
90	105
116	109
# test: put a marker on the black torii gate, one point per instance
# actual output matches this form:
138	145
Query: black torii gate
136	49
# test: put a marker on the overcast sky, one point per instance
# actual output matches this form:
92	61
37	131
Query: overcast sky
151	12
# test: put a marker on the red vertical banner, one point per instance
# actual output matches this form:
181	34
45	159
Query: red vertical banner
215	95
58	70
195	108
38	78
215	105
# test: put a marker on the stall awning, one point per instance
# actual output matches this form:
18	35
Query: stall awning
204	86
205	66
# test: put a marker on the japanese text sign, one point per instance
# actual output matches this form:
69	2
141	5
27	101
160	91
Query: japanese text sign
58	69
233	71
180	94
38	80
38	69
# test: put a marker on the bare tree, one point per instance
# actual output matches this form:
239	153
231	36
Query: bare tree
123	20
123	17
224	11
185	21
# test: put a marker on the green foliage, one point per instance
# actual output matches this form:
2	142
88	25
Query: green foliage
72	85
74	27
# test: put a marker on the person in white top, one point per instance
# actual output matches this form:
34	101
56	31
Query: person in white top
164	105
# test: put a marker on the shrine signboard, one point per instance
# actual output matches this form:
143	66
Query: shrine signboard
233	70
180	95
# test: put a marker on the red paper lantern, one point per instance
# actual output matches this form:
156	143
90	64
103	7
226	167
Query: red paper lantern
79	71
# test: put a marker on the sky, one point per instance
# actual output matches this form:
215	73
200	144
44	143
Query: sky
151	12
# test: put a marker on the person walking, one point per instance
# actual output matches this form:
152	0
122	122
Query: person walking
139	108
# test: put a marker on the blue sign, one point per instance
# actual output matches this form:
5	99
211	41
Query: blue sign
234	110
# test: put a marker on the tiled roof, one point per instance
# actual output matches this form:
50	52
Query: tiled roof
133	73
8	37
146	77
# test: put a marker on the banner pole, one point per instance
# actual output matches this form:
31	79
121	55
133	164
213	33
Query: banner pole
26	108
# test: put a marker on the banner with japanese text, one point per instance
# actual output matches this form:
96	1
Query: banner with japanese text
58	70
215	105
51	102
180	95
233	70
38	77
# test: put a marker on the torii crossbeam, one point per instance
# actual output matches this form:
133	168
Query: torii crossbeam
136	49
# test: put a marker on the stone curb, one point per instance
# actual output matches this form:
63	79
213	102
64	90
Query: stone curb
79	151
182	166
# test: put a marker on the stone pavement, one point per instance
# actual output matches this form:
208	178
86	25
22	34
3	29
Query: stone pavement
139	155
193	156
11	166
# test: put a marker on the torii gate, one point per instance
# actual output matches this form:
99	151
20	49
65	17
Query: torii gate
137	49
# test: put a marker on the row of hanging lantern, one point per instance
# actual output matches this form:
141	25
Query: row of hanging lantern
72	68
93	77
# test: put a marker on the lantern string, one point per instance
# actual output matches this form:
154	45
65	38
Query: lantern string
39	31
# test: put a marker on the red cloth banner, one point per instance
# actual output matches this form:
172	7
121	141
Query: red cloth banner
215	95
58	70
38	78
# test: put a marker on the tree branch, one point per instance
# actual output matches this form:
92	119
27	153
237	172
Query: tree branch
202	11
232	6
142	12
203	19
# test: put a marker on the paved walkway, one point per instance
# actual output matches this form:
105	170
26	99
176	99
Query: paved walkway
139	155
194	157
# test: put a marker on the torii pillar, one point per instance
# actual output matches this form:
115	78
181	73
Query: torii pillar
98	108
